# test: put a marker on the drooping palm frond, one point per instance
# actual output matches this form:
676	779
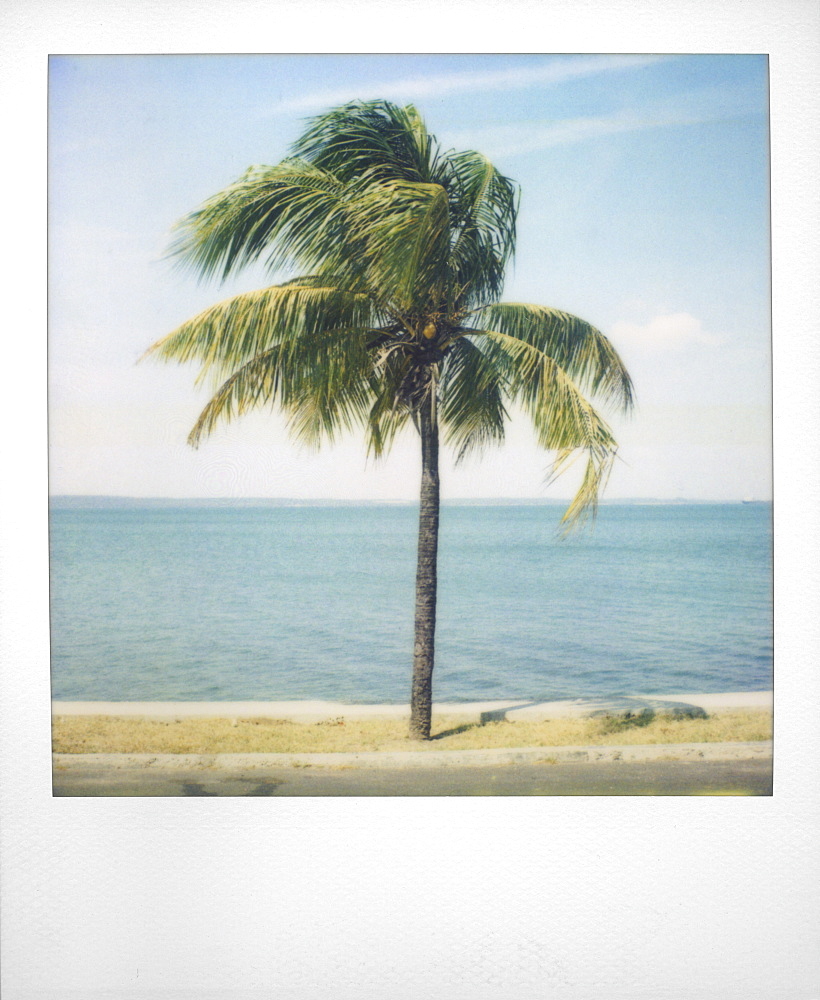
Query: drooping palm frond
320	381
389	413
584	505
583	352
288	214
332	388
238	330
564	420
254	384
472	412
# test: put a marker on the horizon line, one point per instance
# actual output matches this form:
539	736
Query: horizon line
463	499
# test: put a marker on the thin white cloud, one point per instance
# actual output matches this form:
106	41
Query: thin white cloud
691	108
528	137
673	332
512	78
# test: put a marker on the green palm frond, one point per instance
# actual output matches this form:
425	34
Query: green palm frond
403	230
239	329
332	392
563	419
389	413
255	383
583	352
376	137
472	409
484	208
321	382
285	214
584	505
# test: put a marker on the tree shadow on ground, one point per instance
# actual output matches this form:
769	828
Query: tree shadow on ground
496	715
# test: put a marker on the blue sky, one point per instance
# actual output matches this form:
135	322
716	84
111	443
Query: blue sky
644	210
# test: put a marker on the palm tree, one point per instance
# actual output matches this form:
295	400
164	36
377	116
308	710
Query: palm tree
402	248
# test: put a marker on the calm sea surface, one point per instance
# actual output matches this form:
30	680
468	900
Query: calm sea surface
281	602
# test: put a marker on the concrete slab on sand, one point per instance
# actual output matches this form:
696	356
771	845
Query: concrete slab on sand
531	711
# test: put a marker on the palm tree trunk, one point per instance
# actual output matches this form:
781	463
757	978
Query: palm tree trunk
421	700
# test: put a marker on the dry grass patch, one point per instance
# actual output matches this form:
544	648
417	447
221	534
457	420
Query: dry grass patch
127	734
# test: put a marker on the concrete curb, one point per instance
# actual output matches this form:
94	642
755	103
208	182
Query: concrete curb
421	758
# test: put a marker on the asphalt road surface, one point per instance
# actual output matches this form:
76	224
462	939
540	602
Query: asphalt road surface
741	777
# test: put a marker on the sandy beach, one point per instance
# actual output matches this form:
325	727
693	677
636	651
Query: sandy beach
315	711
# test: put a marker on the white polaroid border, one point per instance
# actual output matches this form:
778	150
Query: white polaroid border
295	898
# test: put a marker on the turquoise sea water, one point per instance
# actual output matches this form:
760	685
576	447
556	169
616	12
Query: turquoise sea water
157	601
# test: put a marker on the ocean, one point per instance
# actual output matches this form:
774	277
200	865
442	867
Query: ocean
276	600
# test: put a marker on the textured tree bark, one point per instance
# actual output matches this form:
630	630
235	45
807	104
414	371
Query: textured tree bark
421	699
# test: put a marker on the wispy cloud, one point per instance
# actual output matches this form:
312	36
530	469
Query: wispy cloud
673	332
708	104
556	70
528	137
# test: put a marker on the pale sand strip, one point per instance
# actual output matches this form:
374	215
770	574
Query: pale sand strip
421	758
316	711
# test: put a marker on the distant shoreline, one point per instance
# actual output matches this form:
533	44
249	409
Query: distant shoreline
103	502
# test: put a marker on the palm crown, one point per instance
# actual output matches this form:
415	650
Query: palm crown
403	248
396	318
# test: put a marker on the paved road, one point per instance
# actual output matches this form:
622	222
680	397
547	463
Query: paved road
741	777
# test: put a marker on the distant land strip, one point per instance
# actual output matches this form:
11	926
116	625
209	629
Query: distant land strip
73	502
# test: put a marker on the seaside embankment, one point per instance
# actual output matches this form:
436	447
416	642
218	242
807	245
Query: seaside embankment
631	764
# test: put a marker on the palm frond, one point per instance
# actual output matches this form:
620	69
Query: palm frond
584	505
376	137
580	349
389	413
285	214
321	382
255	383
331	391
563	419
483	205
239	329
402	230
472	410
